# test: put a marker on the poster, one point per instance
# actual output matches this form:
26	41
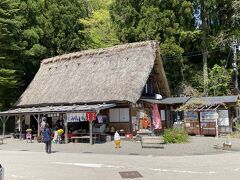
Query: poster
76	117
163	118
141	114
223	118
191	116
134	123
208	116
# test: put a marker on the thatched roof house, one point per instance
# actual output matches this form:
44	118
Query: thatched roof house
112	74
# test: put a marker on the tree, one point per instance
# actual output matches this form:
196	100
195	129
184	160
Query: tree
214	20
9	49
99	25
49	28
169	21
219	81
31	30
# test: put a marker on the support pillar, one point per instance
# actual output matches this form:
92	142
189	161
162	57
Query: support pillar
66	129
20	127
4	120
90	132
38	122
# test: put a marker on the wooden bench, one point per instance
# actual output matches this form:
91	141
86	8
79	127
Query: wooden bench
77	138
152	141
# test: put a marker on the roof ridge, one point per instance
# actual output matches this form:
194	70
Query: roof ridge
91	52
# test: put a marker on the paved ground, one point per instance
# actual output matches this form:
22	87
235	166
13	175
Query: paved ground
80	166
197	159
196	146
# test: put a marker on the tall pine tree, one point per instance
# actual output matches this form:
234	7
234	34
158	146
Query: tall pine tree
9	51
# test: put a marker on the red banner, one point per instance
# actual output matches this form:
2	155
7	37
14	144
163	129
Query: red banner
156	117
91	116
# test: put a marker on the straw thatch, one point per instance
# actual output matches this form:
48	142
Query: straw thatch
118	73
201	104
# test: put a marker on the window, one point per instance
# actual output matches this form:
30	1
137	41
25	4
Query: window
119	115
148	89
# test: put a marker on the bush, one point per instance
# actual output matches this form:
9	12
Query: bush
175	135
236	131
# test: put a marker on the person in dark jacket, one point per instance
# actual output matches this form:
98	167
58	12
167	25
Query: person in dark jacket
46	137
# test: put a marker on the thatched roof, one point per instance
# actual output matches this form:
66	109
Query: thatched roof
118	73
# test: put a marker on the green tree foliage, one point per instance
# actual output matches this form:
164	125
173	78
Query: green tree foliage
193	34
99	25
49	28
9	67
31	30
170	22
219	81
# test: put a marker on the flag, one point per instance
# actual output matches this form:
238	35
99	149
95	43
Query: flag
156	117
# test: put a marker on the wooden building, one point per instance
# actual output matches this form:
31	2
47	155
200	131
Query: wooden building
200	115
117	76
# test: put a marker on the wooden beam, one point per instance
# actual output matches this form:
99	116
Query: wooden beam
38	121
66	129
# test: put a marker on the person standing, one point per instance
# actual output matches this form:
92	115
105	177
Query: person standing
46	137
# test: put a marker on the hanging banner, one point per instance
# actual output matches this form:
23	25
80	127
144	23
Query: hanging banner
91	116
76	117
156	117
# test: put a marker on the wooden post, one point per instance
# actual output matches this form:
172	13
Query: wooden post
4	127
20	127
4	120
90	131
66	129
38	122
217	119
1	118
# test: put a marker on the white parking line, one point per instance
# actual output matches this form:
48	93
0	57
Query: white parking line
137	168
16	176
88	165
183	171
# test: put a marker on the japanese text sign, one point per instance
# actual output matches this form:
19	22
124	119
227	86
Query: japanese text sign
91	116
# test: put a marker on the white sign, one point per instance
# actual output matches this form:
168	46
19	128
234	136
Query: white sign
162	115
76	117
223	118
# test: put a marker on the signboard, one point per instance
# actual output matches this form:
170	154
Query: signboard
191	116
223	118
91	116
208	116
162	115
76	117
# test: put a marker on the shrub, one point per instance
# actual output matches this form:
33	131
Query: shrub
175	135
236	131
